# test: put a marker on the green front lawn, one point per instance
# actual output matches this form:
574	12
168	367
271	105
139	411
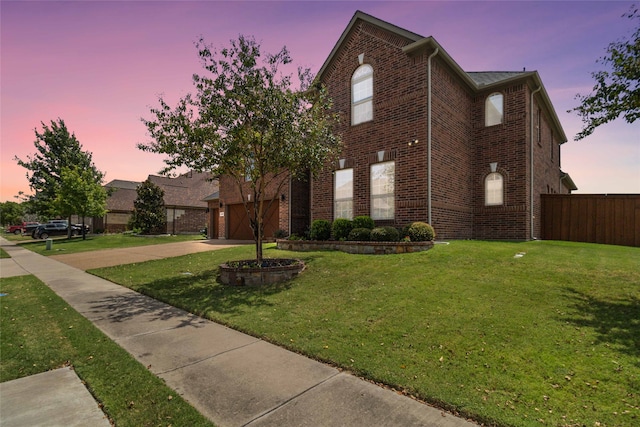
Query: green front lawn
62	245
548	338
41	332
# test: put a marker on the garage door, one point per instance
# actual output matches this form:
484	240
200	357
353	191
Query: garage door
239	228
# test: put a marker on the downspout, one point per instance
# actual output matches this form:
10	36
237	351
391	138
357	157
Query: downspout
532	216
289	206
429	219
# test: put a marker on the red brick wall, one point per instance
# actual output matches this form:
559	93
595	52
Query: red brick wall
452	154
400	117
185	220
508	145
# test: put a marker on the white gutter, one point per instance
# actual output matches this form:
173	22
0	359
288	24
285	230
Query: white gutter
532	216
429	219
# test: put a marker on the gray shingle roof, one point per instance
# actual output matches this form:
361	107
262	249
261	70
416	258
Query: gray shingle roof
120	183
485	78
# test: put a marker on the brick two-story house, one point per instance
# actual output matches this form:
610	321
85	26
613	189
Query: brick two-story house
468	152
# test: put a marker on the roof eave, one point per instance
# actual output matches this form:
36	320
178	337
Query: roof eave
429	43
567	181
359	15
534	81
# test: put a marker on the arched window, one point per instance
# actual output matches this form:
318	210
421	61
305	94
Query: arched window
494	109
493	189
362	94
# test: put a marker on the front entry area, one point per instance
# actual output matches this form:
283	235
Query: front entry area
239	226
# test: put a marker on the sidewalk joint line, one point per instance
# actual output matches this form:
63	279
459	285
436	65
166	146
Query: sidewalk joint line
275	408
213	356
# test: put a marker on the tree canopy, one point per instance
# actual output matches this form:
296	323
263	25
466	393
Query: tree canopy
11	213
80	194
56	149
617	90
249	122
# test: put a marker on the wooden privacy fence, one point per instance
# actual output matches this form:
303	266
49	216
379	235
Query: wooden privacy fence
612	219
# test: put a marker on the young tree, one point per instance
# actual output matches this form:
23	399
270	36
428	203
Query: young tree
80	194
616	92
56	148
149	214
248	122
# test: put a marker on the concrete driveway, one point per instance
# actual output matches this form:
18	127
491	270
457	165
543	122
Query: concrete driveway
110	257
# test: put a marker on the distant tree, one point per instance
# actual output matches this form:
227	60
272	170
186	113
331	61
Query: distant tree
149	214
11	213
616	92
249	123
81	195
56	148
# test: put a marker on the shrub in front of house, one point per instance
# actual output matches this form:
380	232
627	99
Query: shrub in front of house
320	230
363	222
280	234
420	232
385	234
341	228
360	235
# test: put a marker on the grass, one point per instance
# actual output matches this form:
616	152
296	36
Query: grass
96	242
549	338
4	254
41	332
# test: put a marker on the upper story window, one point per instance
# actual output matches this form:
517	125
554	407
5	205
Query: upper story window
494	109
383	190
343	194
362	95
493	189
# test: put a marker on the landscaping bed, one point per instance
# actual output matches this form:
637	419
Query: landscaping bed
372	248
267	272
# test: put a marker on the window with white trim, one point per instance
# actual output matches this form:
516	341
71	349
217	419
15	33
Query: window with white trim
494	109
494	189
343	194
362	94
383	190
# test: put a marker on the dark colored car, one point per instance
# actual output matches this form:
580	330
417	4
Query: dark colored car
54	229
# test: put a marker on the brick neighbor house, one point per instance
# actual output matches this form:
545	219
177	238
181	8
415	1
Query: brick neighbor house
185	199
469	152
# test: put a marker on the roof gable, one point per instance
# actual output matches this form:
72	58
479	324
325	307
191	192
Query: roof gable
474	81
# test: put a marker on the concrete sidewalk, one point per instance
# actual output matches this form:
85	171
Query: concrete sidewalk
232	378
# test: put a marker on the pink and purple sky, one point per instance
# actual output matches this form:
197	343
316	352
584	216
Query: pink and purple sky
100	66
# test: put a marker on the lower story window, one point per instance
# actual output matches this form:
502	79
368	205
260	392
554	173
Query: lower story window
383	190
493	189
343	194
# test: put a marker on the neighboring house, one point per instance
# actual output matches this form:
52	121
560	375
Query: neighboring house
469	152
122	194
184	199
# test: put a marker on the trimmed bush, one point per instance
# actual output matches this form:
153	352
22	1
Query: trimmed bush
280	234
341	228
320	230
360	235
385	234
420	232
363	222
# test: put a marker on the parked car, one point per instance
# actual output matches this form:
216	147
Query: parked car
29	227
25	227
44	231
